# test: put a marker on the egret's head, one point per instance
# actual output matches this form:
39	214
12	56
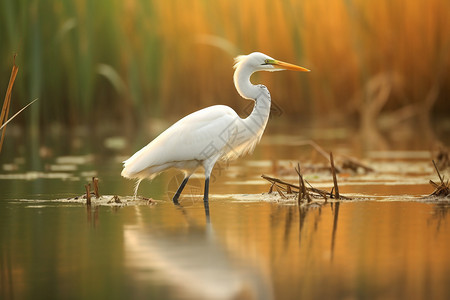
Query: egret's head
258	61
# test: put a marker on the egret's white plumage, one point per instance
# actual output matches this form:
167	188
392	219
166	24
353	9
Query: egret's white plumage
211	134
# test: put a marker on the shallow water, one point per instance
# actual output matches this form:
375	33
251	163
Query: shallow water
254	250
387	244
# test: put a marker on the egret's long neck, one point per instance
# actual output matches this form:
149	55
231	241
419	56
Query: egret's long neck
242	82
257	120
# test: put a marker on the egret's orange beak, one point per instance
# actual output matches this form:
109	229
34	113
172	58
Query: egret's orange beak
287	66
281	65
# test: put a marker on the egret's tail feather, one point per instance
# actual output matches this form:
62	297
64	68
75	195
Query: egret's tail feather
128	172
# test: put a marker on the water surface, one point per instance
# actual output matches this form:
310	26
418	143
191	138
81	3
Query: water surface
389	245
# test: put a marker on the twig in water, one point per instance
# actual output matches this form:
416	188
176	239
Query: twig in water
88	194
333	171
280	192
441	190
437	171
276	180
300	180
95	183
114	199
302	193
271	188
288	189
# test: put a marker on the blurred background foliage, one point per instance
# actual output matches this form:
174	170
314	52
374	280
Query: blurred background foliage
127	61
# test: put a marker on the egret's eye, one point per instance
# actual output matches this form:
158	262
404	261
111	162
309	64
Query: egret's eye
266	62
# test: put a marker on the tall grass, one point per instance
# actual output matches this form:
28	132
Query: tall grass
125	61
6	105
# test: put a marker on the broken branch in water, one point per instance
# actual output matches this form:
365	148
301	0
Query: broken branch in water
301	190
442	189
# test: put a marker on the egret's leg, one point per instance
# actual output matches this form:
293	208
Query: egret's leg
205	198
180	189
205	195
208	165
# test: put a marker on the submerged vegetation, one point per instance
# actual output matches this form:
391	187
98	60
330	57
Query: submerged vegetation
128	60
302	192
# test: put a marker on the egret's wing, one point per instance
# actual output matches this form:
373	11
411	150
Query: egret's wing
197	136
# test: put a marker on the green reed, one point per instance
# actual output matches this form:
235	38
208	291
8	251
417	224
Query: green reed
127	61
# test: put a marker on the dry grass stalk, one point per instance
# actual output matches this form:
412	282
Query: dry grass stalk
16	114
7	104
7	101
302	191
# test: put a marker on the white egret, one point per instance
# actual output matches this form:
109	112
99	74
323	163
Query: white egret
211	134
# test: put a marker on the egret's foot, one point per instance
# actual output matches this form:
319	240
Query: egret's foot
175	199
178	192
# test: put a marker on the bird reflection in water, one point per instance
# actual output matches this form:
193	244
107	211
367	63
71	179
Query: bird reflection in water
190	261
